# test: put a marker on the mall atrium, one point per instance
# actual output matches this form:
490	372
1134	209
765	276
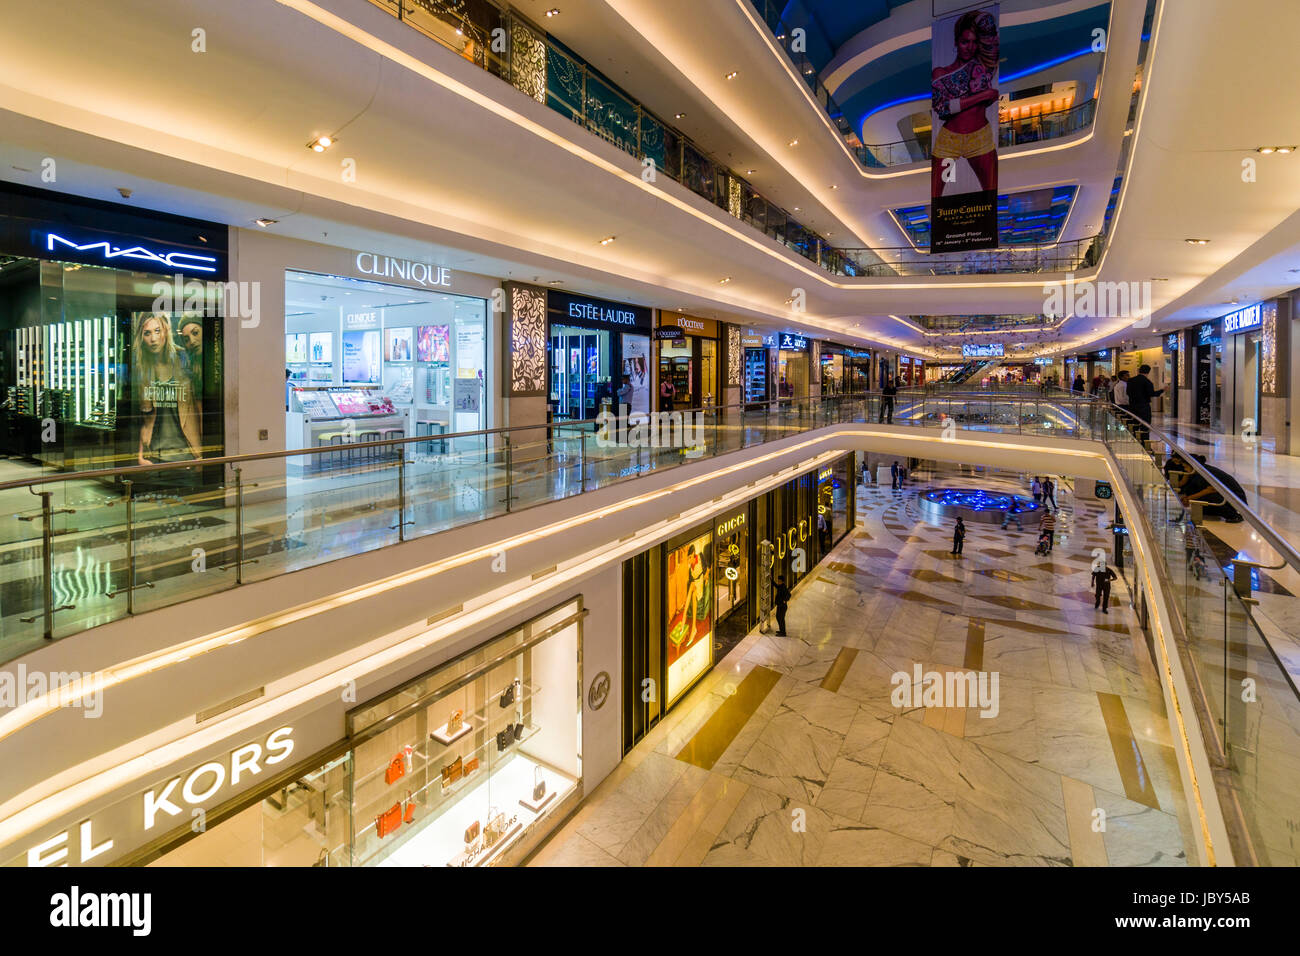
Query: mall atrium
603	433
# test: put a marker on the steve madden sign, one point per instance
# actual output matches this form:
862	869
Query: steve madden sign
179	800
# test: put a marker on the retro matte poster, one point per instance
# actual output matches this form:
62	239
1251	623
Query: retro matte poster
964	117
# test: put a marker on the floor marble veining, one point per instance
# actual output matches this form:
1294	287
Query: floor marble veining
799	750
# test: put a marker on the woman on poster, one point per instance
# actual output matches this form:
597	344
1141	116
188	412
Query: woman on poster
169	416
962	93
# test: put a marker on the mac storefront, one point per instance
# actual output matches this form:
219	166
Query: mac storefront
111	324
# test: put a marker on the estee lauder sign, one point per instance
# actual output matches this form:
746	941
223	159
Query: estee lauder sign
179	800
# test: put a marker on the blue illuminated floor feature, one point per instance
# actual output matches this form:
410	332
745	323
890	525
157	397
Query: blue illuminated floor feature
973	504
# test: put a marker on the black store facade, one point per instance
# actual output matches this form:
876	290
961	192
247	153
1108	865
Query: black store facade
591	345
690	600
110	334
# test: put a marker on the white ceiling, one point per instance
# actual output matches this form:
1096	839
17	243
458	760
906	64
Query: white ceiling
453	164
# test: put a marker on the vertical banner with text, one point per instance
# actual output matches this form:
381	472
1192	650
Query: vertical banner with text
964	120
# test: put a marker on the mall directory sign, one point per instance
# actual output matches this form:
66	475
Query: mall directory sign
964	114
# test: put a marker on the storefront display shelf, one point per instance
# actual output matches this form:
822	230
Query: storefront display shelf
441	841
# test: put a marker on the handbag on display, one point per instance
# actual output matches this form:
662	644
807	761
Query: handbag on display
396	770
454	721
410	808
508	695
495	828
519	732
504	738
452	772
389	820
471	832
470	766
539	785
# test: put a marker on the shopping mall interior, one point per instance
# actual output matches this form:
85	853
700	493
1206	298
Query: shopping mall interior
591	433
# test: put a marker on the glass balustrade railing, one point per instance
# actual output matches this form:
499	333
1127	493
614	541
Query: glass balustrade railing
1239	621
83	549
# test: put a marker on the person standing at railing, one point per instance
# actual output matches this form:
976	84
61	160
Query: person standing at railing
1119	393
1140	393
887	396
1078	385
1197	488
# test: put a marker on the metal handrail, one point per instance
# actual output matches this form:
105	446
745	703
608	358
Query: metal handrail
1278	543
127	471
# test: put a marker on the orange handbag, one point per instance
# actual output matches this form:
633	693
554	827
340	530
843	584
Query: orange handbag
470	766
396	770
452	772
389	820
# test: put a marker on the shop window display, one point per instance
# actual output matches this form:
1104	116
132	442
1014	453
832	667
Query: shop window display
690	610
460	767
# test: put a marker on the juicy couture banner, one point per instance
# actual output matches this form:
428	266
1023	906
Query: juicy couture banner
964	120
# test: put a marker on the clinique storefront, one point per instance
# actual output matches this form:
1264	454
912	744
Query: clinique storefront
595	347
471	763
394	360
688	602
111	326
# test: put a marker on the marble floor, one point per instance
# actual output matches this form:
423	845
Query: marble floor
802	750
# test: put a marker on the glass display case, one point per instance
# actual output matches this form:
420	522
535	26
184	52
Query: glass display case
469	764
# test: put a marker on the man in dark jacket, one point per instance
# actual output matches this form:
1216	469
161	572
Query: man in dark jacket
780	598
887	395
1101	585
1197	488
1140	393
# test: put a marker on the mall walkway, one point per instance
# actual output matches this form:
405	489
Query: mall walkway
791	753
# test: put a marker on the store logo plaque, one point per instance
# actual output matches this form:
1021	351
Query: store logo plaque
598	692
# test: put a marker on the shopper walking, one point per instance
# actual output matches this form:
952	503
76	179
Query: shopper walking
1049	493
887	395
958	537
1047	529
1036	489
1101	579
781	598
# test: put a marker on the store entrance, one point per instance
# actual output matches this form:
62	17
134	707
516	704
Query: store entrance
677	367
579	372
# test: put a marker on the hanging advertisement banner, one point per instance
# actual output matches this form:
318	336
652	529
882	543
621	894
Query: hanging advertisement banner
964	116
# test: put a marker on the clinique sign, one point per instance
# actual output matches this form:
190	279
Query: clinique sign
167	803
421	273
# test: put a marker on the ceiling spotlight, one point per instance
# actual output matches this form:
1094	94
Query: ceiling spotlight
835	187
1265	149
750	172
679	116
553	12
321	143
732	75
724	280
1285	149
796	208
554	282
607	240
1197	242
794	142
266	222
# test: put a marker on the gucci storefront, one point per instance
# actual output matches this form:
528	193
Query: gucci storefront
688	602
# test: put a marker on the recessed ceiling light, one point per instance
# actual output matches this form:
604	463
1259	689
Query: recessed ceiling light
321	143
1197	242
750	172
724	280
555	282
732	75
266	222
835	187
607	240
553	12
1158	279
794	142
679	116
796	208
1265	149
